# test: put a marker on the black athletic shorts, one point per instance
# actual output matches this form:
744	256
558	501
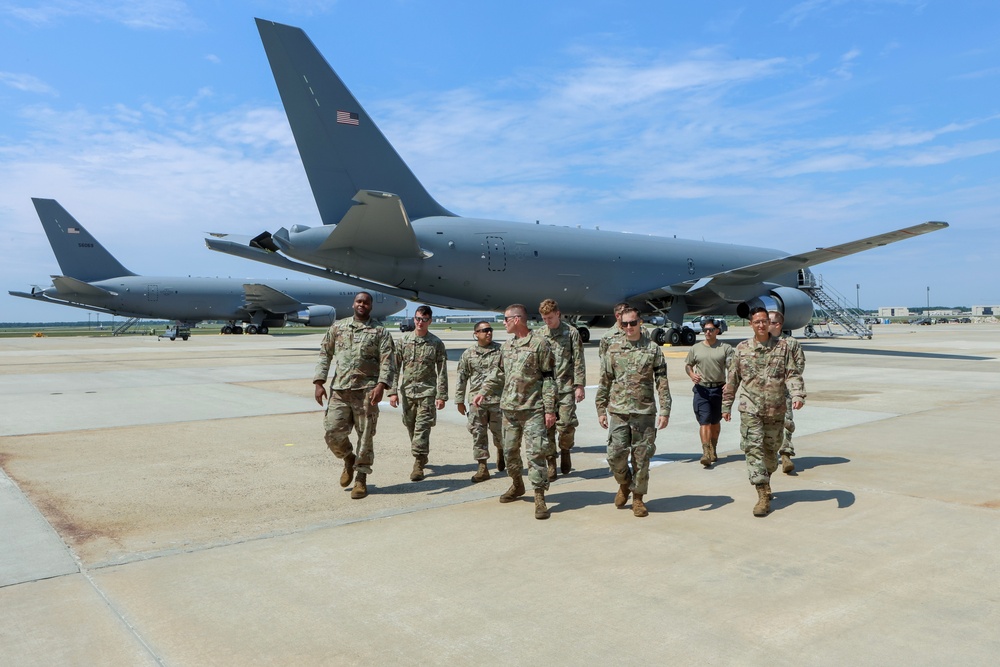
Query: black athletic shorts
707	404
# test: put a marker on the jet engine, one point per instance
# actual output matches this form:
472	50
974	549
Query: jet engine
794	304
315	316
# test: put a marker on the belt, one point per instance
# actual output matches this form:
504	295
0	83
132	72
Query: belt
711	385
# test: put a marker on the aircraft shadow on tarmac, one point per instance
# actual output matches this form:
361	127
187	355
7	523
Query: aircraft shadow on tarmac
894	353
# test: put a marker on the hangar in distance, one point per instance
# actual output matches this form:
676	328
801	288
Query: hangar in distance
94	280
383	230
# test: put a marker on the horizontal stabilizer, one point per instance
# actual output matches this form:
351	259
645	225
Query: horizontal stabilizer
377	223
262	297
69	287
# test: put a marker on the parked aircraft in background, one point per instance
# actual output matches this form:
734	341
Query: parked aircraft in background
383	230
94	280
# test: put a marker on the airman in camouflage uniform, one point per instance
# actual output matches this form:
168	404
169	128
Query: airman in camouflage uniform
787	451
421	387
528	402
633	379
476	365
365	367
765	367
614	333
570	376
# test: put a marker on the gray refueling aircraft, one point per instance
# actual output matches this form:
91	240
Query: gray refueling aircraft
383	230
94	280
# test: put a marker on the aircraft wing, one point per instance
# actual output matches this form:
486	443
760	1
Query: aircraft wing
67	286
267	298
728	283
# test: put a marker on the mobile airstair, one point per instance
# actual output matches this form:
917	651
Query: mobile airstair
125	326
832	305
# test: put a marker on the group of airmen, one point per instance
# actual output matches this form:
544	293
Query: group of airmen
526	390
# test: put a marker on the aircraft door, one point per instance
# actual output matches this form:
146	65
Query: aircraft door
496	254
152	293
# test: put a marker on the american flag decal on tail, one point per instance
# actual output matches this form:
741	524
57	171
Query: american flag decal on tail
347	117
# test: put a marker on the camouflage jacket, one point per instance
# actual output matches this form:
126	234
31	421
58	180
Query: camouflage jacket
798	354
612	336
474	368
364	354
632	376
525	373
568	350
422	367
765	371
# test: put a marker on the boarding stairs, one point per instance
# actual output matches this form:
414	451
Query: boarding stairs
125	326
834	306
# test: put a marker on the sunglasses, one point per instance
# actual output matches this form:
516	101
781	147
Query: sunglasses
486	330
630	323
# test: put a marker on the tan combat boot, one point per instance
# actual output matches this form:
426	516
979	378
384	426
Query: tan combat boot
550	464
418	468
786	464
348	474
564	462
541	511
501	463
482	474
639	507
763	505
706	454
515	491
360	489
622	496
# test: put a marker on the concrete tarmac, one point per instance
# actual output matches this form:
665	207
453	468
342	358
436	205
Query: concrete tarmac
173	503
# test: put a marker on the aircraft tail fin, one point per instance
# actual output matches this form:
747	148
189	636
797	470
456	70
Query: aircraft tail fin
79	254
342	150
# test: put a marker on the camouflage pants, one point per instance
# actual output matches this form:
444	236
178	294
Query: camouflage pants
566	423
484	420
527	426
631	437
786	442
349	409
419	415
761	440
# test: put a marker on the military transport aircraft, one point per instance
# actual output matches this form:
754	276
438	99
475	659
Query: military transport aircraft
383	230
94	280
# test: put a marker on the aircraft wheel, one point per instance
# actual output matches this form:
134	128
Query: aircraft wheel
237	330
659	336
263	330
251	329
584	334
688	336
673	336
227	330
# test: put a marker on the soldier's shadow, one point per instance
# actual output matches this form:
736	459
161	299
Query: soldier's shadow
783	499
686	503
803	463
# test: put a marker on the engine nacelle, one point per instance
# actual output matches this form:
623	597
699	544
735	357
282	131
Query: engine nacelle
315	316
794	304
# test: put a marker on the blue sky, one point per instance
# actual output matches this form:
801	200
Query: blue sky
783	124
